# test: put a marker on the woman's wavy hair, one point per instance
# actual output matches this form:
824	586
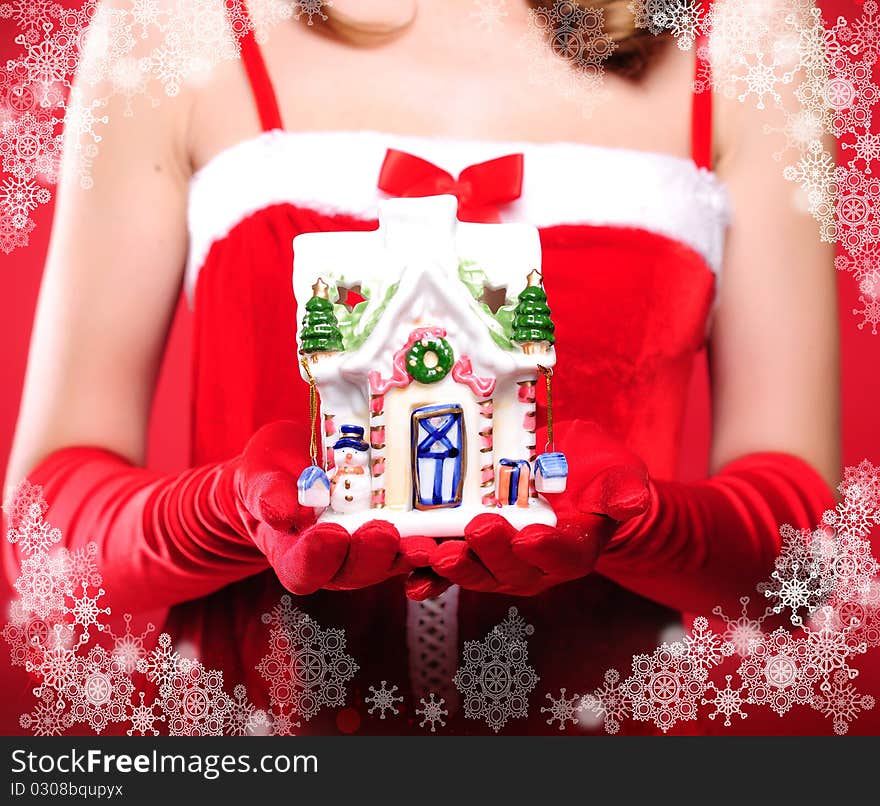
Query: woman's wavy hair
633	46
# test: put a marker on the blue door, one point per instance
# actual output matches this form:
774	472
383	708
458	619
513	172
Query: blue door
437	456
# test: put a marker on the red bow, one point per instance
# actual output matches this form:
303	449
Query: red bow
480	189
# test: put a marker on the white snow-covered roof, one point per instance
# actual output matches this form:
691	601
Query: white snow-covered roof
429	296
417	248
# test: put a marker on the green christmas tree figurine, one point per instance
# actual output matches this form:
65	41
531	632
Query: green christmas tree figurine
320	330
532	326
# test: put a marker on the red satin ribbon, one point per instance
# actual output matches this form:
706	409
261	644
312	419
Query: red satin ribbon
480	189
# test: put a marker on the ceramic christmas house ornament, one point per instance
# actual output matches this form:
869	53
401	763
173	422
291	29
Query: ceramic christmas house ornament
424	339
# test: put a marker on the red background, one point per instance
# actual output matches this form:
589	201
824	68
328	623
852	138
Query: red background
20	276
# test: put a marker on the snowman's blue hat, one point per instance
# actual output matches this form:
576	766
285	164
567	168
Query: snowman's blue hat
351	436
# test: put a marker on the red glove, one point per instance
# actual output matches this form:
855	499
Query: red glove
607	485
688	546
710	542
308	556
167	539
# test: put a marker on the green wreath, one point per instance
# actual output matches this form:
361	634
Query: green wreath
429	372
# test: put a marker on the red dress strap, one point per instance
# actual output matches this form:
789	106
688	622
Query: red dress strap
258	76
701	107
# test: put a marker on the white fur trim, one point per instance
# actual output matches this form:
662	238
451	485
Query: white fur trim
564	183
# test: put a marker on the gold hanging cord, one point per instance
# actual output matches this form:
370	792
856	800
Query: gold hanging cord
313	411
547	372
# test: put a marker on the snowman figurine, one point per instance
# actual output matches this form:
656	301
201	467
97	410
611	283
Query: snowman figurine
350	485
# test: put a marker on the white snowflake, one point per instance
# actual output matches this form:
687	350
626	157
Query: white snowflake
863	262
563	709
383	700
830	650
30	15
744	630
307	666
86	613
490	14
143	718
178	41
49	717
815	173
861	620
514	627
47	64
802	130
684	19
869	285
20	197
862	482
281	722
54	667
311	9
575	35
780	672
864	32
850	95
29	147
195	703
866	148
495	677
162	664
857	201
804	575
799	591
870	313
853	517
854	567
146	13
31	532
649	14
610	702
100	690
704	648
27	638
44	583
842	702
17	506
13	236
727	701
761	78
129	648
664	687
432	712
82	565
242	717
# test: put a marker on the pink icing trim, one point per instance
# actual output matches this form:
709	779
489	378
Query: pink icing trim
377	402
486	442
529	421
489	500
526	394
399	376
379	467
463	372
488	410
329	425
377	435
488	474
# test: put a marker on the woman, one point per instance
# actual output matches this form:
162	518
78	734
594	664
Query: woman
664	224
